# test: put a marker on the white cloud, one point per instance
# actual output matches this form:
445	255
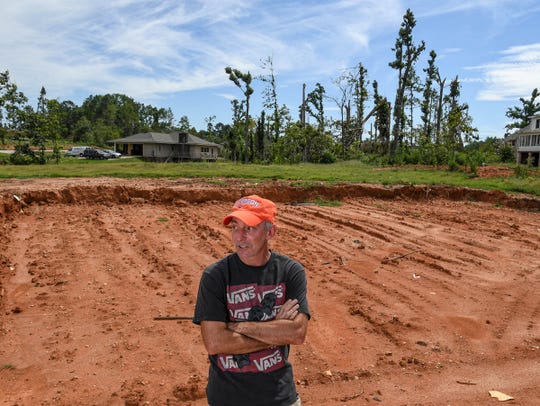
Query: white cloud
499	9
515	75
147	47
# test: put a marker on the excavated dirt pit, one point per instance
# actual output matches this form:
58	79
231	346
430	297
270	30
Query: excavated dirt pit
419	295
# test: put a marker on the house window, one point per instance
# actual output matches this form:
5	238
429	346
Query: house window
205	149
538	123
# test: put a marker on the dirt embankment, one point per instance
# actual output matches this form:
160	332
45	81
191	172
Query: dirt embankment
419	295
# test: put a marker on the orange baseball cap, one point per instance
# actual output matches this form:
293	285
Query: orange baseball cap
252	210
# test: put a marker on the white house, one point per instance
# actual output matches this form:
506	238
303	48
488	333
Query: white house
527	142
174	147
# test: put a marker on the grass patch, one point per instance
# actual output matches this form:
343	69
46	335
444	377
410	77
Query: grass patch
8	366
301	175
328	203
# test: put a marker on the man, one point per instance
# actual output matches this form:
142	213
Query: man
251	306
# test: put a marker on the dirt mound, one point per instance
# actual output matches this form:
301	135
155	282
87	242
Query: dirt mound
419	295
117	191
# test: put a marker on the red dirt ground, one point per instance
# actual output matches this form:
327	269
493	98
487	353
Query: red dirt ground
419	295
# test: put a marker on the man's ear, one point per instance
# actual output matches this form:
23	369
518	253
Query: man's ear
271	232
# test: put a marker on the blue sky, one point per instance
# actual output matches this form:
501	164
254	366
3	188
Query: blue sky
173	53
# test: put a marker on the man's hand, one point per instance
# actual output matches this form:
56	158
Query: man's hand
219	339
289	326
289	310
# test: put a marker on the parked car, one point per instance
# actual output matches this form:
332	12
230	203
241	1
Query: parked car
112	154
94	153
75	151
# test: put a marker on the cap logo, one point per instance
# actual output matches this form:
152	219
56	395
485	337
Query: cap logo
246	202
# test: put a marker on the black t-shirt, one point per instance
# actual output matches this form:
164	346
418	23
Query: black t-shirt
232	291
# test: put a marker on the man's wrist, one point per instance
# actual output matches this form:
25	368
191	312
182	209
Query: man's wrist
234	326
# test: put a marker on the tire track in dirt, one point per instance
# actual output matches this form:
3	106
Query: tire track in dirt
375	320
404	294
447	266
166	262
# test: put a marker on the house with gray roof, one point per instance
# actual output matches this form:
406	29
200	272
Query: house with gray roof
173	147
527	142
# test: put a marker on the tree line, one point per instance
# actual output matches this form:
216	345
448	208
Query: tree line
425	123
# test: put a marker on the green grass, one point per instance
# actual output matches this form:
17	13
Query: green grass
301	175
7	366
328	203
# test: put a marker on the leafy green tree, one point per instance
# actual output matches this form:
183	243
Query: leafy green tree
237	77
39	132
69	115
411	101
120	113
102	132
53	126
439	113
83	133
383	112
429	101
23	155
304	144
458	123
12	104
406	55
232	137
360	95
260	138
521	114
314	106
149	118
184	124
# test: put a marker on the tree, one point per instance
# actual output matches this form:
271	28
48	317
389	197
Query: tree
429	101
406	56
232	138
360	94
382	113
304	144
314	105
521	115
411	101
275	119
260	136
343	102
236	76
121	114
439	115
12	104
184	125
53	126
69	115
459	128
150	118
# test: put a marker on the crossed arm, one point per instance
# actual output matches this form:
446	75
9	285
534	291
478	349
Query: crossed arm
289	327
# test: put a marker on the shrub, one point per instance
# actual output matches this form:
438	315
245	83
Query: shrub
327	158
521	171
22	155
453	166
506	154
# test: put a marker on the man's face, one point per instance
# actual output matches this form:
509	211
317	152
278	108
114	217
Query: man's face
251	242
